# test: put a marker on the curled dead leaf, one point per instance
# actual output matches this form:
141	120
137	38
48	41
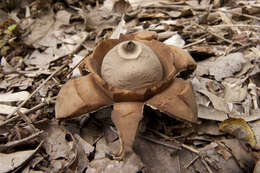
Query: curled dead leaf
239	128
139	85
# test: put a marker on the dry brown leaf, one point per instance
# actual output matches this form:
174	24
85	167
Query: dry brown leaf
40	28
6	109
227	66
165	35
211	114
148	3
241	154
226	18
15	80
120	29
84	150
199	5
75	60
6	67
218	102
101	19
209	128
67	44
14	97
218	158
235	94
9	162
157	158
59	145
132	164
222	67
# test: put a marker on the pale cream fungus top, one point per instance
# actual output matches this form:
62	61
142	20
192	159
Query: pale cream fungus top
131	65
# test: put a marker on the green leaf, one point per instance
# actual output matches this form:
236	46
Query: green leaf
10	28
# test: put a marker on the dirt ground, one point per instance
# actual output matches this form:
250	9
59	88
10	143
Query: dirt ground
44	42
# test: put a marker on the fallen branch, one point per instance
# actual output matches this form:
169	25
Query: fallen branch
240	14
161	143
215	35
35	108
19	142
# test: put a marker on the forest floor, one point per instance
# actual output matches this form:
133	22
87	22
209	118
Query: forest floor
43	42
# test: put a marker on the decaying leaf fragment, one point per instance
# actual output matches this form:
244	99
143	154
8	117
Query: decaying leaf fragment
9	162
130	72
239	128
257	167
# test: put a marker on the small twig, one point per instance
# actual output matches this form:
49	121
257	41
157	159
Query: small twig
241	47
35	91
194	43
9	120
35	108
101	136
215	35
168	138
178	161
19	142
44	120
191	162
190	149
240	14
27	120
72	69
159	134
206	165
160	143
236	25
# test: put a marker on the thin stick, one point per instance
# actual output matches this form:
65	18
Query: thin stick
214	34
194	43
236	25
35	91
9	120
96	141
160	143
190	149
35	108
179	165
18	142
206	165
158	133
27	120
71	70
191	162
240	14
242	47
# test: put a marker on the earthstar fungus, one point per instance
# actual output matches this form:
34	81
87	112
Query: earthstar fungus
128	73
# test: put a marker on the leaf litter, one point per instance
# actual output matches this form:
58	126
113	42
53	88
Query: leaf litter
36	38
